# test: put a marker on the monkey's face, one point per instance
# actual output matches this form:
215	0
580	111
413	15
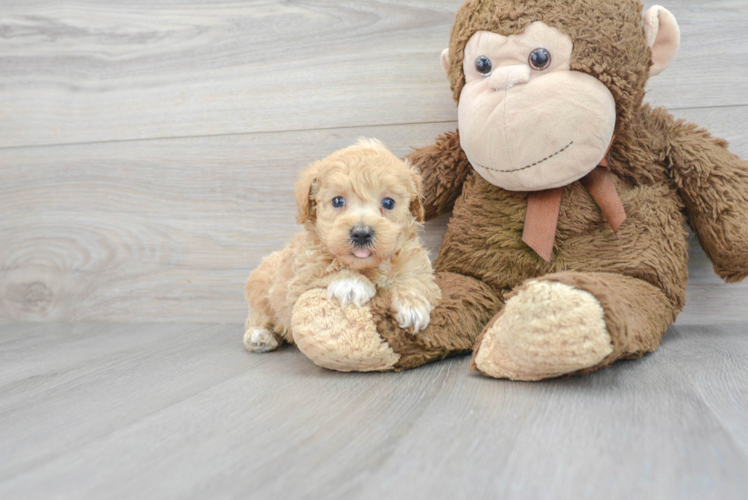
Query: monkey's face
527	121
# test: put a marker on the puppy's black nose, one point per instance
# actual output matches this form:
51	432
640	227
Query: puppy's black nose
362	236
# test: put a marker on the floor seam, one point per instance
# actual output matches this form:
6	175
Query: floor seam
297	130
717	418
230	134
46	460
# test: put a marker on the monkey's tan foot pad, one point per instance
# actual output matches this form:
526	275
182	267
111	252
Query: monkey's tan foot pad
339	338
546	330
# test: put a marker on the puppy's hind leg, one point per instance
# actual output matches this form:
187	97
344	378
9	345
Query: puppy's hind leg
259	338
258	331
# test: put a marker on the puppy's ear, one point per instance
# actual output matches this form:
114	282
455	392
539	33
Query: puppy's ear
416	206
305	191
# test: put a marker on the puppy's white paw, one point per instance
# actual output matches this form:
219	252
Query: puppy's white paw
260	340
355	291
412	310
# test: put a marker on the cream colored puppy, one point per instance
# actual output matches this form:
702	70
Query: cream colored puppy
361	212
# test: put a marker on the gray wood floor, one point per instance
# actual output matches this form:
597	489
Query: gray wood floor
182	411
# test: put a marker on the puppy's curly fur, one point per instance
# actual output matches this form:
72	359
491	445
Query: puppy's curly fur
327	254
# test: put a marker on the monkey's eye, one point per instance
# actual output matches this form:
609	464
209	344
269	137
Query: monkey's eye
540	59
338	202
388	204
483	65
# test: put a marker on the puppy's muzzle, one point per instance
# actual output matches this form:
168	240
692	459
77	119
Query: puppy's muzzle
362	236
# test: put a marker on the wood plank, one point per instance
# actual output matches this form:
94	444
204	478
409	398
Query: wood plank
629	432
639	419
11	333
25	365
89	71
107	381
97	232
158	424
714	360
168	230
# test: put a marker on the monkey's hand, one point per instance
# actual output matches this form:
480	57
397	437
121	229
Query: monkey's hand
714	186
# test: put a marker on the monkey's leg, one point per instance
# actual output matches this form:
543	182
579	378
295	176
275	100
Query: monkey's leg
368	339
572	322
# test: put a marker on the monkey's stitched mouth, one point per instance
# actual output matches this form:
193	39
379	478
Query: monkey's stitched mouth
532	164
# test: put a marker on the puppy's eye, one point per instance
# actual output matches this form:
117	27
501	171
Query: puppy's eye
338	202
483	65
388	203
540	59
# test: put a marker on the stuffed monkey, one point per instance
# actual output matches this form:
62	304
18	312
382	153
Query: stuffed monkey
567	248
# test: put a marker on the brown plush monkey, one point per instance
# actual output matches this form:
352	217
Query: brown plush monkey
566	250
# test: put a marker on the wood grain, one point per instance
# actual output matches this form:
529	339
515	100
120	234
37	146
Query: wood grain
192	415
168	230
713	360
90	71
114	375
165	230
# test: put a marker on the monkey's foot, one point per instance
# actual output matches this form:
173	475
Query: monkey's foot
546	330
342	338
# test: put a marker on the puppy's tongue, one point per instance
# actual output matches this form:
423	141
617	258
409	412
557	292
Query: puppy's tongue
362	253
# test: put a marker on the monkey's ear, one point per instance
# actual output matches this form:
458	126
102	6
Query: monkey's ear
662	34
445	60
305	191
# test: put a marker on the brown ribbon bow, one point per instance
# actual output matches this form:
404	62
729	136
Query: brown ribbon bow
543	208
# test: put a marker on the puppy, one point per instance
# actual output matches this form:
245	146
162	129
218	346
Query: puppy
361	211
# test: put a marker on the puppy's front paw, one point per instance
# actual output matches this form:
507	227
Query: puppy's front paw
260	340
412	309
354	291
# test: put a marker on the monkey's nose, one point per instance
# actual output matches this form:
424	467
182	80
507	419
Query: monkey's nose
506	77
362	236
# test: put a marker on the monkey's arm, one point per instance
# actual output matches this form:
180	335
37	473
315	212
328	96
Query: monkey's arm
714	185
444	168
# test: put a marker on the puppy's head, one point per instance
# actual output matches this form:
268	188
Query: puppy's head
362	201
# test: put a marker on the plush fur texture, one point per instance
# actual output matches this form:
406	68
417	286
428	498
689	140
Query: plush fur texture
321	337
325	255
546	329
623	66
667	172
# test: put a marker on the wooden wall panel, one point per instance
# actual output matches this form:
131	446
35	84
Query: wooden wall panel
153	230
180	126
167	230
90	71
